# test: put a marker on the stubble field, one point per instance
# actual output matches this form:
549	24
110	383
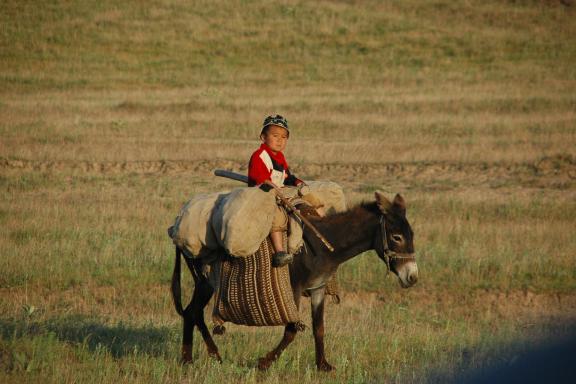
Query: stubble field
112	116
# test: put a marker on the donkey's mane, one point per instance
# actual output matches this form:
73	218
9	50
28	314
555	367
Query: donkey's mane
357	210
338	227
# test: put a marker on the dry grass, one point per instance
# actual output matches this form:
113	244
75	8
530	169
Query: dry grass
447	125
111	116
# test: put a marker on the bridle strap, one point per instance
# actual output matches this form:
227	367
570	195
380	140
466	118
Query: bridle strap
390	255
386	250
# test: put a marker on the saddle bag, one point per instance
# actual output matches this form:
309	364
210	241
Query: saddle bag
251	292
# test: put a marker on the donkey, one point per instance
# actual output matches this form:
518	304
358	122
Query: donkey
380	225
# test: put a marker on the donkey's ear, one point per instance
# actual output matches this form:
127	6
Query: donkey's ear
383	203
399	204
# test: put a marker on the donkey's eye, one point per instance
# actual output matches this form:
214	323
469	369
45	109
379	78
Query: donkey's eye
397	238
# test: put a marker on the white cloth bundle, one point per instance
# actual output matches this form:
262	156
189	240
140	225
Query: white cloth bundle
238	221
192	231
242	220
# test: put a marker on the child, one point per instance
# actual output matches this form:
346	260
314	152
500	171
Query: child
268	167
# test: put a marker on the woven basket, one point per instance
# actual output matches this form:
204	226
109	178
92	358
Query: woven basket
252	292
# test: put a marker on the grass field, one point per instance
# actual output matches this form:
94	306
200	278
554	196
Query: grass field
114	114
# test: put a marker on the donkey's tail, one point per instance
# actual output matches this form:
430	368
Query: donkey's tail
176	288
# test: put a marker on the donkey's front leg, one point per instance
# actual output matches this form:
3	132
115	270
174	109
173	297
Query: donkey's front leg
289	335
317	301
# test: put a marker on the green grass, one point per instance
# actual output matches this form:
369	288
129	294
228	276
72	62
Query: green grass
175	44
91	256
411	340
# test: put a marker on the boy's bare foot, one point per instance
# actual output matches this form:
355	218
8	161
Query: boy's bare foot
281	258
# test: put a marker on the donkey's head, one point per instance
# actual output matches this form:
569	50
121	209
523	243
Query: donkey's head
395	240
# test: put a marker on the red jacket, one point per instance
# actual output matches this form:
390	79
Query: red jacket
267	165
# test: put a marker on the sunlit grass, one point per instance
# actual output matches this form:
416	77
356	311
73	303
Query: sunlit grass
100	271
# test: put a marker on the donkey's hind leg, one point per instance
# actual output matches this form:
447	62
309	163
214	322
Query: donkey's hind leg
202	295
194	316
194	313
187	334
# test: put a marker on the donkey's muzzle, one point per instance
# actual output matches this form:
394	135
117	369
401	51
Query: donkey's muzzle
408	274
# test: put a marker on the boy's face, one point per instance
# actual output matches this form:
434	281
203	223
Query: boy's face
276	138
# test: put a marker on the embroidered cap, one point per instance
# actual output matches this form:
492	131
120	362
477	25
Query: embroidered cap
275	120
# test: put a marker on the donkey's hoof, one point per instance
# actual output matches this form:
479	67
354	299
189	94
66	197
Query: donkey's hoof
264	363
185	361
216	356
324	366
186	354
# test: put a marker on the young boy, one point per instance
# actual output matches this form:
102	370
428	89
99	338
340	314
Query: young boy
268	167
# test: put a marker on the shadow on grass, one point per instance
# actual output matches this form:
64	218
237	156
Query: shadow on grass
120	339
552	360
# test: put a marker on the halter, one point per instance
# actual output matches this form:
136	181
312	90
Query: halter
390	255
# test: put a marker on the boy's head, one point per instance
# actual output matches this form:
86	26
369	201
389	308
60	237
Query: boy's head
275	133
277	120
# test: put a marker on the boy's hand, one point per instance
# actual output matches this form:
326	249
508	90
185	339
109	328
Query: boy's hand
267	186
